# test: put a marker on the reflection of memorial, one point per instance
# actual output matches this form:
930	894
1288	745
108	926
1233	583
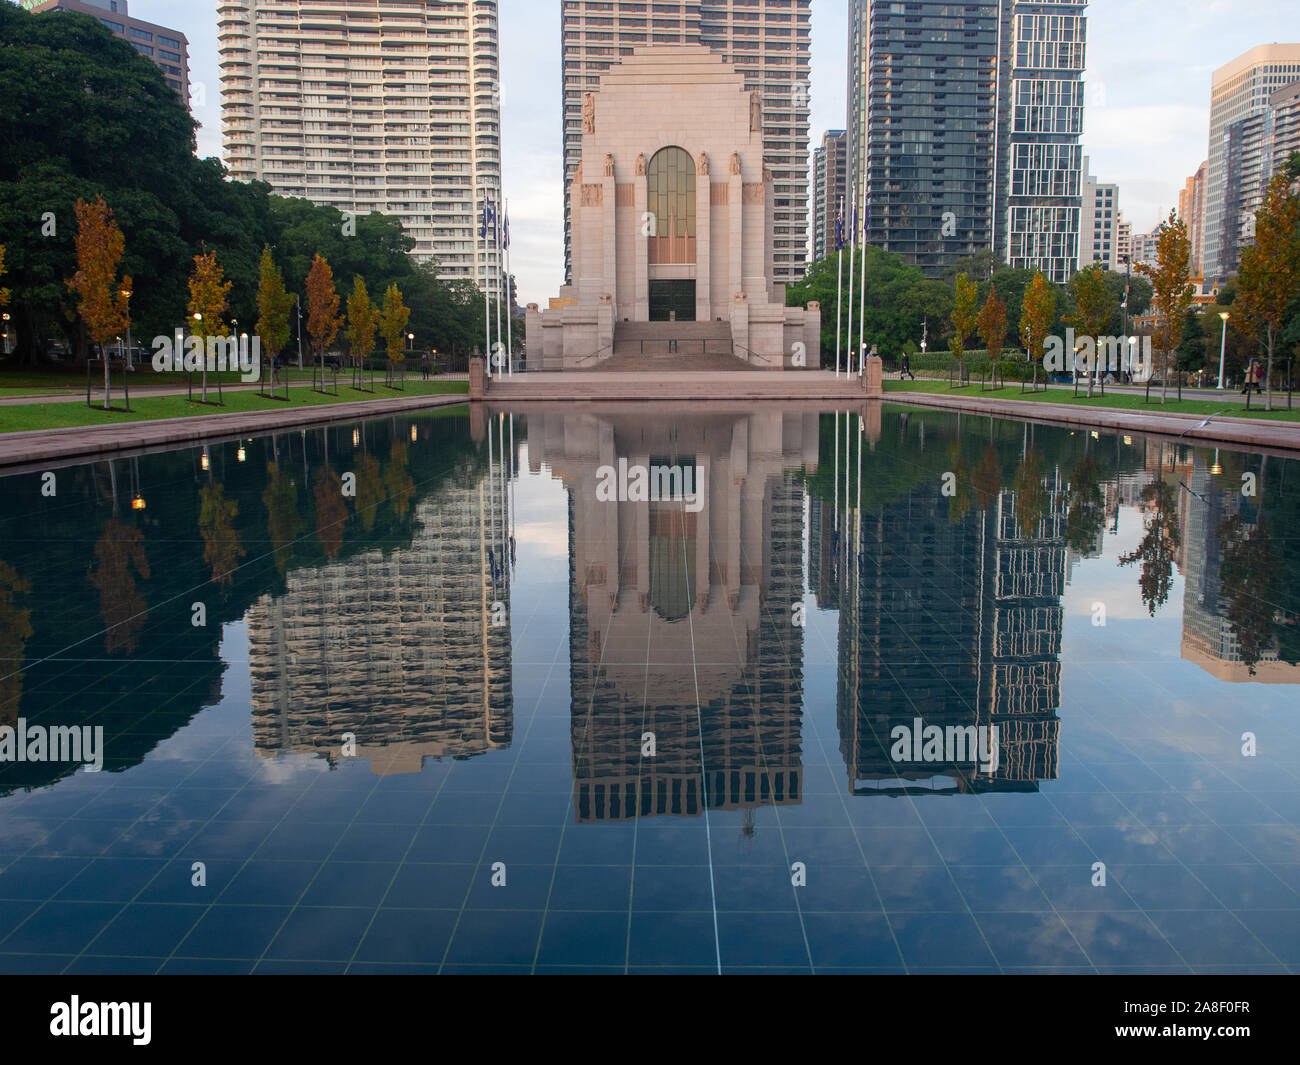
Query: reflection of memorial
958	624
1208	637
681	621
399	649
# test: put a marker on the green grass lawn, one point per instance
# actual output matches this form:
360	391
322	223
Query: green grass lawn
1111	401
57	379
25	416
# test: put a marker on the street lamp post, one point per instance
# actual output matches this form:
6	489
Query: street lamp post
1223	341
203	357
126	295
298	304
6	321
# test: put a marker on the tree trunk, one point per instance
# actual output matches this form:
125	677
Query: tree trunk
1268	373
29	348
106	381
1164	377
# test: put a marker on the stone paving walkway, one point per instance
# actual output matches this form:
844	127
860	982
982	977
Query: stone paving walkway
1221	429
582	386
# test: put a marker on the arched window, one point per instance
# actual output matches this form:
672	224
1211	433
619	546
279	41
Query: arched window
670	198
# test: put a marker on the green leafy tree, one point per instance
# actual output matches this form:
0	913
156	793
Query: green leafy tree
1191	346
964	315
1269	278
392	325
363	318
1094	308
273	304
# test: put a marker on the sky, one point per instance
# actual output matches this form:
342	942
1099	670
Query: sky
1146	125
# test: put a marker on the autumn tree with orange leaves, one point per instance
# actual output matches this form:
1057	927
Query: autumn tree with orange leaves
323	319
102	298
1036	318
1172	291
992	324
209	300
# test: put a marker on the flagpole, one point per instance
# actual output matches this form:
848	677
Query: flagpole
853	247
487	307
862	299
510	362
839	283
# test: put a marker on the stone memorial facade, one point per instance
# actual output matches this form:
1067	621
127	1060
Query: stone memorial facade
672	211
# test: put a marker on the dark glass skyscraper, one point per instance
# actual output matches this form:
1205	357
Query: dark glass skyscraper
963	126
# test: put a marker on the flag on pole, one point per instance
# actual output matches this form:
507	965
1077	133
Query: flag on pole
505	230
489	218
839	227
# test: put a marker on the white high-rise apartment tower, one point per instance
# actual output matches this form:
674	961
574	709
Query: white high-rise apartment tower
1237	175
767	41
371	105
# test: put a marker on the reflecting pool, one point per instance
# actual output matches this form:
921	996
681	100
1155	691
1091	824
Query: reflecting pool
642	688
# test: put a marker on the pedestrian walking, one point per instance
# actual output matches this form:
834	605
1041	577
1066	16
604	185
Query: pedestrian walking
905	369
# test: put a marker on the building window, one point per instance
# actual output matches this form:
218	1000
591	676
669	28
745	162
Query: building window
670	192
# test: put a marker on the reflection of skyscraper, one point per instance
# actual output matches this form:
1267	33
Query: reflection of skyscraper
397	648
1208	637
823	572
1025	687
680	615
958	624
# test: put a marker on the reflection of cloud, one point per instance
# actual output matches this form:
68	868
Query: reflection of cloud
1101	580
287	768
546	538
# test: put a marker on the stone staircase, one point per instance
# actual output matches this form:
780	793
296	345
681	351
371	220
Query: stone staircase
634	363
642	347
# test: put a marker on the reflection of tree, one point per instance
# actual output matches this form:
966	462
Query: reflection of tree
15	629
397	480
369	494
121	605
959	504
1159	545
331	511
283	520
1086	515
221	547
1248	583
1032	500
988	478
